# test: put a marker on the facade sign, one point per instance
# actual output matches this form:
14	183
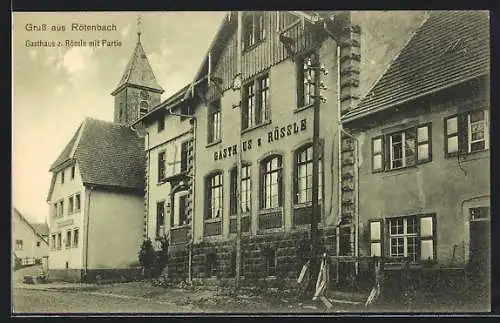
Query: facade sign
272	136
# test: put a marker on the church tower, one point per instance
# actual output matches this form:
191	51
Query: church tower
138	91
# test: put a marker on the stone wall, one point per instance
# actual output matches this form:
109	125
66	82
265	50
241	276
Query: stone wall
291	250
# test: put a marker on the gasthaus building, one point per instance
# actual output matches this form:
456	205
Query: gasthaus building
423	159
252	101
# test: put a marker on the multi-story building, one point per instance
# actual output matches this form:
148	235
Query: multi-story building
96	196
422	141
252	101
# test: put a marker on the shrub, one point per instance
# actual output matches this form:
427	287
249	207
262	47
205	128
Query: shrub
147	256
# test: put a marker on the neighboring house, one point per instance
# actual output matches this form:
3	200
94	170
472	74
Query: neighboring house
29	244
423	137
168	152
97	191
251	99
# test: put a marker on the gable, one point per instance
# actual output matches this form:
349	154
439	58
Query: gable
450	48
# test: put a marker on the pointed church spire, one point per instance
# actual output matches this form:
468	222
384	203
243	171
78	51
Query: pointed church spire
139	29
138	71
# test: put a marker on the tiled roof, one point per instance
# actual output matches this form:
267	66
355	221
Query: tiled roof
32	227
109	155
41	228
450	47
139	71
66	153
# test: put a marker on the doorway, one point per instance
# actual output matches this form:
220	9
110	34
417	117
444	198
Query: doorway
480	245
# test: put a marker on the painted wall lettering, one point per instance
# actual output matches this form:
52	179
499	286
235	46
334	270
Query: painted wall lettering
272	136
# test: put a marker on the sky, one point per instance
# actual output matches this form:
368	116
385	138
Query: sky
55	88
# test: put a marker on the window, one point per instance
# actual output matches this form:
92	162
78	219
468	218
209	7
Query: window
160	218
254	29
70	205
306	80
59	241
184	155
77	202
271	183
179	216
143	108
73	172
214	196
303	176
38	243
255	109
467	132
53	246
408	236
211	265
161	124
75	238
55	210
402	149
183	210
245	189
19	244
61	209
161	166
62	177
214	122
68	239
271	261
479	213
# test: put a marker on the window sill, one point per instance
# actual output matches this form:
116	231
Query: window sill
302	108
399	171
273	230
480	154
271	210
213	143
243	215
214	220
180	227
265	123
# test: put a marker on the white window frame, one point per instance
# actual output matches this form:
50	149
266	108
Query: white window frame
405	235
469	132
176	215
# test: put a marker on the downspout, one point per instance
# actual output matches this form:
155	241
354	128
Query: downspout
339	154
86	245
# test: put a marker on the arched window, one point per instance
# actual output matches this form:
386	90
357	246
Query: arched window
143	108
213	197
303	175
245	190
271	183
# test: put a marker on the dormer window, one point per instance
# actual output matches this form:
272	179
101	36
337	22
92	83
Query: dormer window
143	108
254	30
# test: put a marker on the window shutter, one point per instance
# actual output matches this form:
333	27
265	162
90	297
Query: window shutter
387	149
429	134
427	230
376	237
463	133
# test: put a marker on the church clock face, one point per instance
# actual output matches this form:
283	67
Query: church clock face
144	95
